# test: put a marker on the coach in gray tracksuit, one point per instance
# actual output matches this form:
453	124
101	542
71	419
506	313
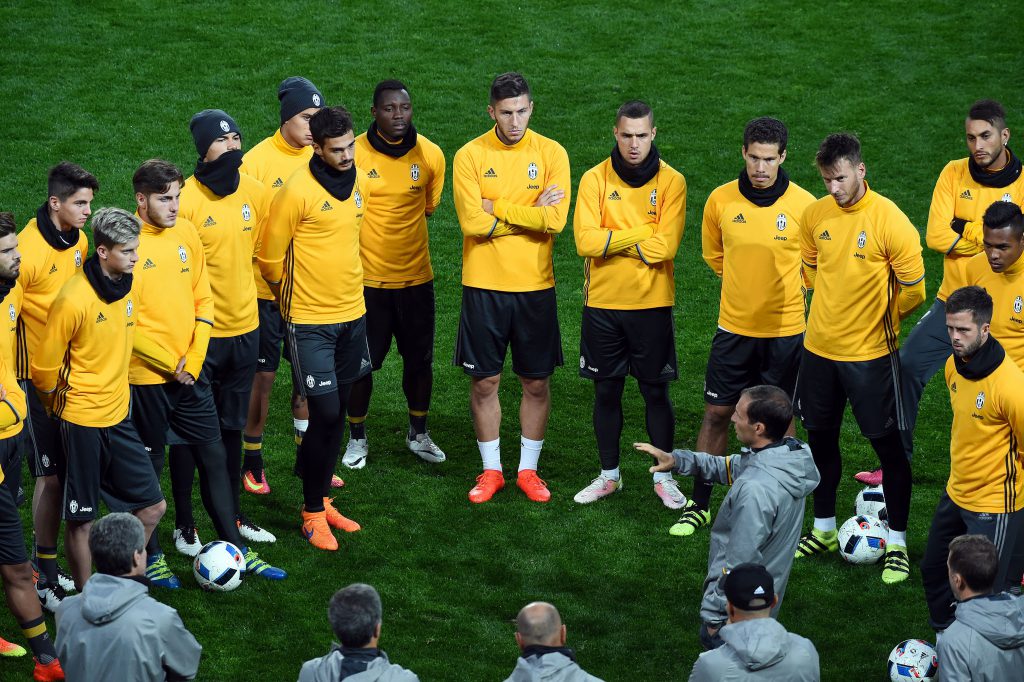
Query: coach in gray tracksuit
985	643
762	514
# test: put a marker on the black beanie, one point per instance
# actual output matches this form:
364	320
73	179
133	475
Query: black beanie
297	94
208	125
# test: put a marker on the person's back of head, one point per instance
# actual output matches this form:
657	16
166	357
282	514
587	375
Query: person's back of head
118	544
973	564
539	624
355	614
750	590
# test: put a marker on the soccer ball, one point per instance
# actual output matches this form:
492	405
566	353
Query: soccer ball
913	660
871	502
862	540
219	566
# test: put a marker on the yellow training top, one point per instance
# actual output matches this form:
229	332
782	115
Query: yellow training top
84	355
272	161
756	251
510	250
400	193
44	270
229	228
869	276
629	237
172	298
311	246
10	352
985	461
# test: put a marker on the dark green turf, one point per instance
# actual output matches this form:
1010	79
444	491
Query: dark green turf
110	84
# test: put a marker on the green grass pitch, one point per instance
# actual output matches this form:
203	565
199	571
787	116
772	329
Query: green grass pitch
110	84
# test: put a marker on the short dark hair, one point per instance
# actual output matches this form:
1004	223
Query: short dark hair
770	406
635	108
1004	214
988	110
976	560
155	177
508	85
387	86
972	298
113	542
354	613
766	130
330	122
7	225
66	178
838	146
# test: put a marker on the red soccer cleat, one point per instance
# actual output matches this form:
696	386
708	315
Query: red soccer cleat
531	484
487	483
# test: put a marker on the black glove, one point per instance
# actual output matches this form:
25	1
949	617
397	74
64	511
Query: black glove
957	225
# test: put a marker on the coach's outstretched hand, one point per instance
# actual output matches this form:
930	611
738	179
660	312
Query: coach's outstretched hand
666	462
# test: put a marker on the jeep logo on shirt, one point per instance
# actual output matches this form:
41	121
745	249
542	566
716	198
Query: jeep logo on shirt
414	172
531	171
246	213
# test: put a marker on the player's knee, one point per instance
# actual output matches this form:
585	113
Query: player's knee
537	389
654	394
151	515
486	387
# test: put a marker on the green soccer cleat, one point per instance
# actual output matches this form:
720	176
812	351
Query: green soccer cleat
817	542
254	565
159	573
693	518
897	565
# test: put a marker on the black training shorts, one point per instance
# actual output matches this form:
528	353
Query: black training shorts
326	355
641	343
871	386
12	536
271	335
737	362
157	407
43	438
405	314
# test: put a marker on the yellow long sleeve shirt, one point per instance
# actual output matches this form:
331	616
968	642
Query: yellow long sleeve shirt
229	228
84	355
400	193
1007	291
756	252
869	275
44	270
311	246
272	161
985	461
958	195
173	300
510	250
629	237
14	409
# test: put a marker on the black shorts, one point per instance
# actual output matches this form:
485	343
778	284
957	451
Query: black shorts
614	343
12	536
43	439
227	373
737	362
871	386
110	461
327	355
158	407
407	315
491	321
271	334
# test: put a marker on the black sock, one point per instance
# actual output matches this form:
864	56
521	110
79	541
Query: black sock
356	427
896	481
417	384
701	495
321	446
253	446
183	473
46	562
359	406
156	458
659	416
39	639
824	445
417	423
608	420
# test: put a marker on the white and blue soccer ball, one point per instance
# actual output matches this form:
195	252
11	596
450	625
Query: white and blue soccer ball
862	539
913	660
219	567
871	502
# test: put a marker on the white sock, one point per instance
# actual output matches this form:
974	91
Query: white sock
662	476
529	452
300	424
490	452
825	525
612	474
897	537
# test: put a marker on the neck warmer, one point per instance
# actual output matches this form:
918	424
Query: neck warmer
5	287
983	362
1001	178
106	288
768	195
52	234
338	183
403	147
540	650
221	174
637	176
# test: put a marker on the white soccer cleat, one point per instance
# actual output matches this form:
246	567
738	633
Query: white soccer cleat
355	453
186	541
670	494
424	447
50	596
598	488
253	533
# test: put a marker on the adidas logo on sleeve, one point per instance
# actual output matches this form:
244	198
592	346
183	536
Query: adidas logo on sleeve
966	194
825	236
739	219
210	222
373	174
490	173
327	206
614	196
148	264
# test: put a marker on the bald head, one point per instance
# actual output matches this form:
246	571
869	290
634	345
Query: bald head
539	623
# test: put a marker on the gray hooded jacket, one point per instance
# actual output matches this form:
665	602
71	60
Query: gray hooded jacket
328	669
986	641
758	649
761	516
114	630
553	666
